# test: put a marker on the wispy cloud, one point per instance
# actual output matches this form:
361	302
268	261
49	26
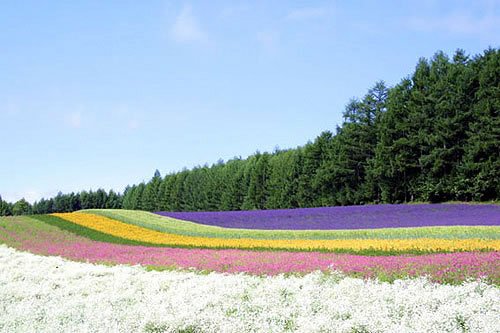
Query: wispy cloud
268	40
74	119
457	23
29	195
186	28
306	13
32	196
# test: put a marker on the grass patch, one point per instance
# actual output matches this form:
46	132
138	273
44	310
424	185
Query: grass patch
86	232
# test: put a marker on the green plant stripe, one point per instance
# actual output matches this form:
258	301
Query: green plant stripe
187	228
86	232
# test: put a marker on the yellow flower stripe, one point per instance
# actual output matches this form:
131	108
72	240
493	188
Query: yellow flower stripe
132	232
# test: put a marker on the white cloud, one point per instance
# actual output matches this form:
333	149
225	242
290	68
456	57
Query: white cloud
456	23
306	13
186	28
32	196
29	195
74	119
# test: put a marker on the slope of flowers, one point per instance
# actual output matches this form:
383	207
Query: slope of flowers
171	225
50	294
349	217
38	237
132	232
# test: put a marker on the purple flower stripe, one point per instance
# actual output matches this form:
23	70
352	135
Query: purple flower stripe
349	217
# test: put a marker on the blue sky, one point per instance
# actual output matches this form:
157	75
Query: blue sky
101	93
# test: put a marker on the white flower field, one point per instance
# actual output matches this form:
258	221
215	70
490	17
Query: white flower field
51	294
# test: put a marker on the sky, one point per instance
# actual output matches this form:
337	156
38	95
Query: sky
99	94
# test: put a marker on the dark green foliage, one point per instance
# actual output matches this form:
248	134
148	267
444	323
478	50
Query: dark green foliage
479	170
150	200
21	207
258	175
114	200
5	208
310	190
346	173
435	137
63	203
283	180
235	189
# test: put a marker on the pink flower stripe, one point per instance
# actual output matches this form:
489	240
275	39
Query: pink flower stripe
439	267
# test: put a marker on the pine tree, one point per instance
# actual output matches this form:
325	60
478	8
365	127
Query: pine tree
395	156
258	185
5	209
479	171
234	194
150	200
21	207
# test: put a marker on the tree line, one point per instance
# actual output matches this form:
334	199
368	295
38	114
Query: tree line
64	203
433	137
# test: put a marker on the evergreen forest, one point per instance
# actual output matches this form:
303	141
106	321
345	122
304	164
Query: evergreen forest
433	137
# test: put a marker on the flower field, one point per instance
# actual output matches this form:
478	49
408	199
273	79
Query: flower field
417	275
450	253
39	237
141	234
50	294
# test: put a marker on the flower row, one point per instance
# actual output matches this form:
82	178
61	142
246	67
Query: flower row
136	233
39	237
181	227
349	217
49	294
